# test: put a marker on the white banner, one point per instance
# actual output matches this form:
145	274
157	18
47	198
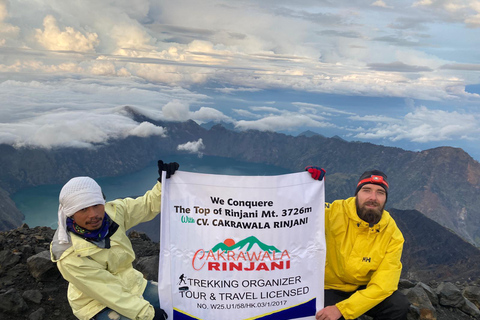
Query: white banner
241	247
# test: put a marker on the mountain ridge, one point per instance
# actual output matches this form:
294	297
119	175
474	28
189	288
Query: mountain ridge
443	183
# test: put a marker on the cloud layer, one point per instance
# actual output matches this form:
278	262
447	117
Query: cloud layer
388	70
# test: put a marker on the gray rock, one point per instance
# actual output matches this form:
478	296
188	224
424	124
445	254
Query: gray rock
34	296
8	259
413	313
449	295
472	293
26	249
148	266
421	305
37	315
42	268
432	295
405	284
12	302
470	308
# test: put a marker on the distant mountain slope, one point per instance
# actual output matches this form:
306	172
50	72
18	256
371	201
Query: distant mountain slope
442	183
432	252
309	134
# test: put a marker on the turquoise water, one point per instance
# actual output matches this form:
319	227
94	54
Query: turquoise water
40	204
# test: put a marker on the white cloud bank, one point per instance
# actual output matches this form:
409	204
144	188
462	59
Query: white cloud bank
168	60
180	111
74	129
424	125
83	113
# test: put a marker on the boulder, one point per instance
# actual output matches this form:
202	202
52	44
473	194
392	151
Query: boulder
34	296
450	295
432	295
422	306
42	268
37	315
471	309
472	293
8	259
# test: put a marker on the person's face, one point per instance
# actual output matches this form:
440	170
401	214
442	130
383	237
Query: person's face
370	202
90	218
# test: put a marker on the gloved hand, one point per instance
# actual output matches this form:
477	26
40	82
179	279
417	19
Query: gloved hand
316	172
159	313
170	168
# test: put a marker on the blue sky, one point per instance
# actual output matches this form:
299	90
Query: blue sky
397	73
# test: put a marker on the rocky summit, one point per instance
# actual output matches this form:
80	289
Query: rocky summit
32	288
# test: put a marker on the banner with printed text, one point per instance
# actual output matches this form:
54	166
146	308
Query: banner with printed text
241	247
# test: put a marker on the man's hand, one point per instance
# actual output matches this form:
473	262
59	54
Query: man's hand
328	313
316	172
170	168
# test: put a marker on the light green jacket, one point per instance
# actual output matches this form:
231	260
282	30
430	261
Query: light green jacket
100	278
359	255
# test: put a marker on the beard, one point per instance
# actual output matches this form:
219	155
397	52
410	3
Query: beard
370	215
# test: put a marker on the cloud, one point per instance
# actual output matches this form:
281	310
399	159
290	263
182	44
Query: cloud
146	129
246	114
422	3
410	23
73	129
7	30
252	50
52	38
82	112
467	12
267	109
176	111
235	90
320	61
324	109
130	35
192	146
279	119
461	66
346	34
286	121
205	114
424	125
398	66
380	3
180	111
315	17
374	118
399	41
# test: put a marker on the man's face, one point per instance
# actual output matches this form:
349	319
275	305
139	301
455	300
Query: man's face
370	201
90	218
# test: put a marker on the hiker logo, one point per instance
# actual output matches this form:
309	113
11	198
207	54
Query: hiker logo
182	280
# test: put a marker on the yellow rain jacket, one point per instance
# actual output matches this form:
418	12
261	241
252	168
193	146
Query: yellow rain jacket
100	278
359	255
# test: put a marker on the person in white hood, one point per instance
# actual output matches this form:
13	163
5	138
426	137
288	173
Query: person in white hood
94	254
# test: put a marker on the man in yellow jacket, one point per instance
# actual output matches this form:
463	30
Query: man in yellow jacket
94	254
364	247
